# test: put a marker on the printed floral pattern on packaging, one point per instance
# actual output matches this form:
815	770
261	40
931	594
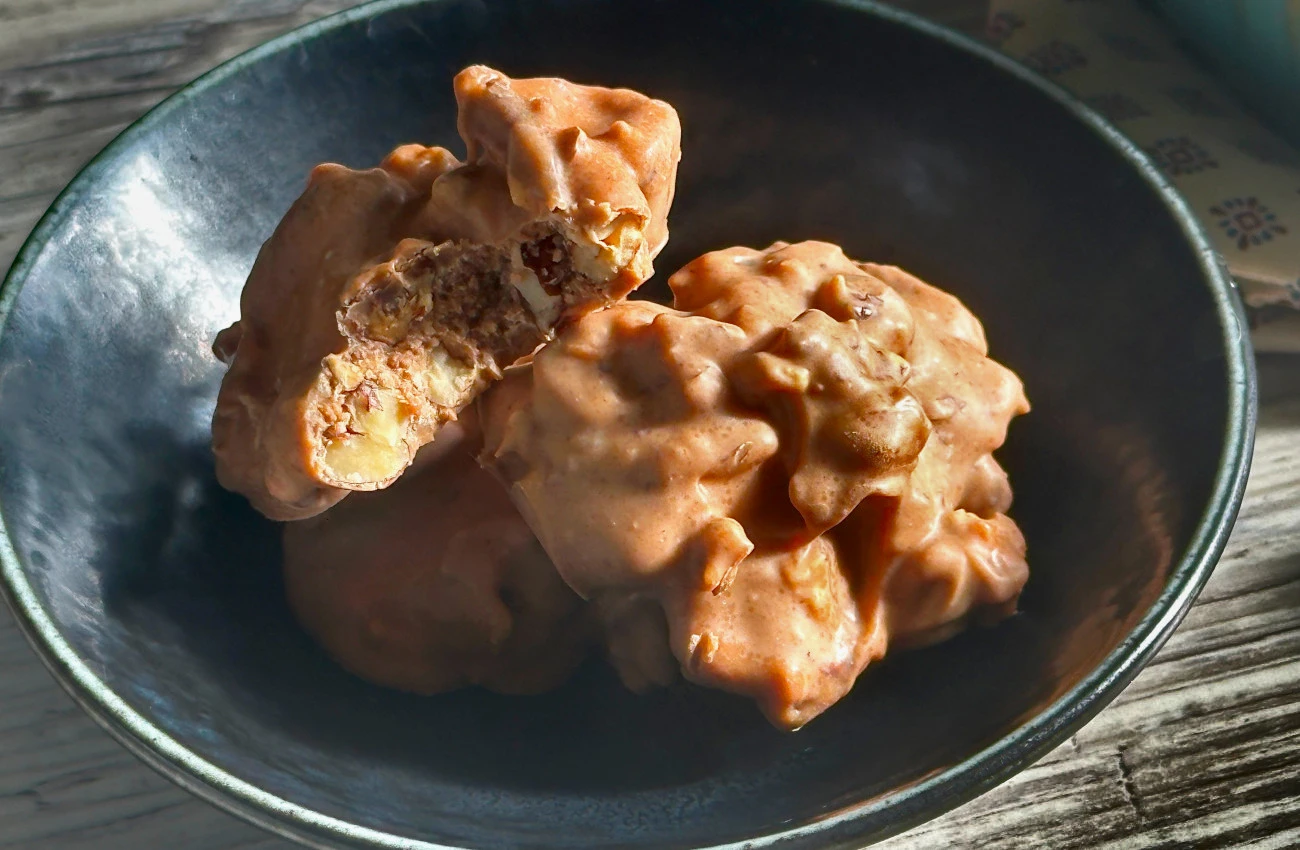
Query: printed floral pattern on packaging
1241	179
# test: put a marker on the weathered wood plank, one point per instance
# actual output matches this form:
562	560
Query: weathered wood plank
63	782
54	30
58	111
1203	749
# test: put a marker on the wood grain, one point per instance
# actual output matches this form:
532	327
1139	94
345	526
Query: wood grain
1203	750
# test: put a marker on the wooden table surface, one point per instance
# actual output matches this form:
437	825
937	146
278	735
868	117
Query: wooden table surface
1202	750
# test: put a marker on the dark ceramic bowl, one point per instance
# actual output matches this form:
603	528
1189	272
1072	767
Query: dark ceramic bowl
155	597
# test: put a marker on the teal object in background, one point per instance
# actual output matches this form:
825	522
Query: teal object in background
1255	45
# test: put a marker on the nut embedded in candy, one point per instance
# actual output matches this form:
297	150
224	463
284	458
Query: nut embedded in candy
388	299
761	488
630	420
787	634
794	466
854	428
435	584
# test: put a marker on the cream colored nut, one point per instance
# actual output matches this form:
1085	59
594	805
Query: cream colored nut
544	306
809	577
773	373
447	381
724	545
374	449
347	374
701	648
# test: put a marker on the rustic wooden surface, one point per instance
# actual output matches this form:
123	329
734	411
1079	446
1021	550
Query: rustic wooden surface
1203	750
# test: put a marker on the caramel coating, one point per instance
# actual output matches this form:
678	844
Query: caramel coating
853	428
630	416
434	584
794	466
387	299
267	409
956	551
787	633
602	162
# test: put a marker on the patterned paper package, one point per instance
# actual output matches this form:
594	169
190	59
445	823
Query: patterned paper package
1240	178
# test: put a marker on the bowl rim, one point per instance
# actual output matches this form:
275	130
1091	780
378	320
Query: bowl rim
867	821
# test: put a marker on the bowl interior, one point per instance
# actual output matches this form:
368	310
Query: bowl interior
802	120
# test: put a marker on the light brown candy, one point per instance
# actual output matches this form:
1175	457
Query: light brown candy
388	299
625	448
774	480
434	584
850	428
268	429
787	632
